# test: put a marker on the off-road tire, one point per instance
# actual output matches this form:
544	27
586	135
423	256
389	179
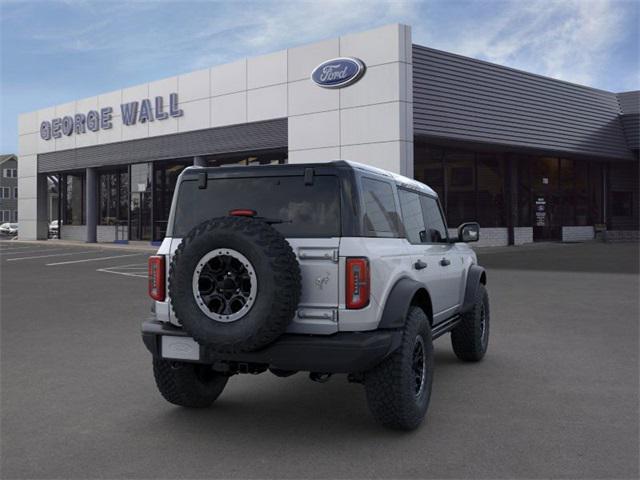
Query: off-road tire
188	384
278	280
391	386
469	339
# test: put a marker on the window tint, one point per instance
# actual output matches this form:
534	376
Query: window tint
305	210
412	216
380	215
436	229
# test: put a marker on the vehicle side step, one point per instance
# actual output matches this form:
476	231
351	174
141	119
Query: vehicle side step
444	327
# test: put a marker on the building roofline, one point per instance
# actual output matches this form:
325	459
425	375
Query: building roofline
518	70
6	158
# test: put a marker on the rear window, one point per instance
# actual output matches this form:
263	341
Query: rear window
381	218
306	210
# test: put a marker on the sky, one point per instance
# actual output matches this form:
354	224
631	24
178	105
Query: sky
55	51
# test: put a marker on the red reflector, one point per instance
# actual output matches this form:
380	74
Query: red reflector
242	212
156	277
358	286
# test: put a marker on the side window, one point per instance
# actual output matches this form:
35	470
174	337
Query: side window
412	216
436	229
380	214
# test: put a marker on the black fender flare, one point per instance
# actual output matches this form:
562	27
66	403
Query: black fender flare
398	302
475	277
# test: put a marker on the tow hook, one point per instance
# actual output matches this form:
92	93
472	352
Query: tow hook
320	377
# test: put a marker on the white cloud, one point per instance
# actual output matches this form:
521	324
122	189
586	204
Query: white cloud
270	26
569	40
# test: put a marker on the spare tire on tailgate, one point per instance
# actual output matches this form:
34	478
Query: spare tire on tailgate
234	284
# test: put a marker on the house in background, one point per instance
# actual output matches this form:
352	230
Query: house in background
9	188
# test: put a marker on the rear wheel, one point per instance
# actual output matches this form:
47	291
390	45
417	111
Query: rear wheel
399	389
188	384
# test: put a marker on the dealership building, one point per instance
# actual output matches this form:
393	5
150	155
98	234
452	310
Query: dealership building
530	158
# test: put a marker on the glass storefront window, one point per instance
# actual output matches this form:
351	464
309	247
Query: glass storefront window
547	193
460	191
140	202
428	167
581	172
491	198
166	176
73	199
596	188
112	194
523	166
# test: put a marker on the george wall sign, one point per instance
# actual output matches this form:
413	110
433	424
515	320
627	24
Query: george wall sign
339	72
94	120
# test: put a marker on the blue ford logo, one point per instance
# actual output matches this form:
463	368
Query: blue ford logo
338	72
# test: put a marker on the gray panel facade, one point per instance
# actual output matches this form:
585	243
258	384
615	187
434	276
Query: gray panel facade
265	135
630	108
459	98
629	102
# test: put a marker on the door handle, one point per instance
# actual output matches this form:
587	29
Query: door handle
419	265
444	262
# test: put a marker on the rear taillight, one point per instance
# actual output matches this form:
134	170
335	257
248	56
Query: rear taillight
156	277
357	280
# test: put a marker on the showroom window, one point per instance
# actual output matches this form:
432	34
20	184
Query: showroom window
491	197
113	198
73	196
470	185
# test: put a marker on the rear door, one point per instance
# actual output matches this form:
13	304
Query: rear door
443	254
432	255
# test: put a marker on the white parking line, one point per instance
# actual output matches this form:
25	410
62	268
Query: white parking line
92	259
130	270
39	250
20	249
52	255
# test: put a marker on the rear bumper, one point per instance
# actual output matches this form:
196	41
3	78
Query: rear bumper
344	352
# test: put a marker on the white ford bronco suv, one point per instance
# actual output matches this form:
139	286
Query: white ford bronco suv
325	268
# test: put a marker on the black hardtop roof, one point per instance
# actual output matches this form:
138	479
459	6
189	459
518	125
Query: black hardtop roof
293	169
258	170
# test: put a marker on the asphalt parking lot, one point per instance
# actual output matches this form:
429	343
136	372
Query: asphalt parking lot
556	396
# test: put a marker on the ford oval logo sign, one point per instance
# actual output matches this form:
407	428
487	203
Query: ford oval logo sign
338	73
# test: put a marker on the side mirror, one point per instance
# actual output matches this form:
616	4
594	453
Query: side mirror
469	232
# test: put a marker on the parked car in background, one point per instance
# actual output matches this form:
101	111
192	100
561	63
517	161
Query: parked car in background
54	229
9	229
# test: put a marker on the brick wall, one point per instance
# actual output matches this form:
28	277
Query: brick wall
613	236
107	233
489	237
74	232
522	235
577	234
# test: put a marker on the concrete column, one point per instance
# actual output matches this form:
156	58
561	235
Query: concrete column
42	215
512	192
199	162
91	207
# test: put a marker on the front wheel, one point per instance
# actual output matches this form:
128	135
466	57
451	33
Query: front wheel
188	384
470	338
399	389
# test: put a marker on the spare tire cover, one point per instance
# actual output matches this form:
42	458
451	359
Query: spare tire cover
234	284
